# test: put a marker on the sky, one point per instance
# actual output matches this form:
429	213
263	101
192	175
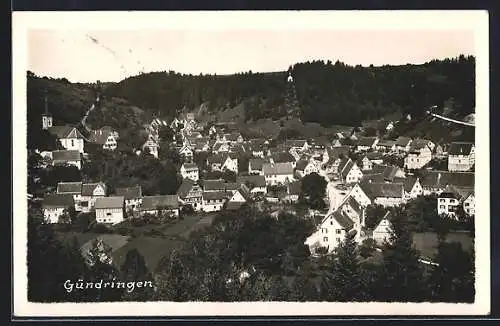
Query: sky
107	55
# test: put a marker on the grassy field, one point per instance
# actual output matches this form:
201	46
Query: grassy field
426	242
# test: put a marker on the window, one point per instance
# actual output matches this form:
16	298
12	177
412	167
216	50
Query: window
72	142
442	200
466	204
338	240
108	214
338	231
325	239
331	223
442	206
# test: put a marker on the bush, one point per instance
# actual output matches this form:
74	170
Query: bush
101	228
367	248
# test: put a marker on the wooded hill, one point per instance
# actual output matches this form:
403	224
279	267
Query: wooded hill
327	93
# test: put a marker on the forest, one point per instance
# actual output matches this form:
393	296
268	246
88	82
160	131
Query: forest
326	92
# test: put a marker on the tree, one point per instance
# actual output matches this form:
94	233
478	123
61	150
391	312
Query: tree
134	269
166	134
373	215
313	189
402	277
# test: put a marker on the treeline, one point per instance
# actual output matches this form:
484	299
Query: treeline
328	93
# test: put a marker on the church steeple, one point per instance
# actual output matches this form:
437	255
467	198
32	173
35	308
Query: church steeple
46	116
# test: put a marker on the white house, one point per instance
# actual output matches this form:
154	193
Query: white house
461	156
255	166
132	196
109	210
155	205
298	144
366	143
214	201
278	173
412	188
255	183
469	204
366	164
402	144
383	231
331	232
186	151
69	137
383	193
447	203
54	206
190	194
349	171
418	156
151	145
221	162
190	171
386	145
105	137
305	167
67	157
90	193
230	163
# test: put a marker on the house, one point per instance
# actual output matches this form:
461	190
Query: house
304	167
331	232
67	157
255	183
366	143
418	156
349	171
214	201
233	138
461	156
151	145
469	203
221	148
419	142
239	197
386	145
384	230
392	172
222	162
351	208
73	189
105	138
437	181
190	171
186	151
257	147
412	188
385	194
109	210
441	150
293	190
190	194
157	205
132	196
201	144
69	137
298	144
89	195
333	156
255	166
366	164
55	205
375	157
447	203
277	173
402	144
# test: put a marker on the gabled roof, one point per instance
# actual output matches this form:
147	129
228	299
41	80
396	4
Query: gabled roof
402	141
217	159
130	192
390	172
408	183
282	157
366	141
190	166
100	136
58	200
418	144
277	168
294	188
386	143
256	163
335	152
65	156
387	190
301	164
217	195
354	204
441	179
375	156
343	220
88	188
109	202
65	132
218	184
150	203
185	188
231	185
255	180
69	188
460	148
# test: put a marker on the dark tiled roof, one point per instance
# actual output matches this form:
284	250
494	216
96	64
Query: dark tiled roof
215	195
65	132
256	180
345	166
441	179
190	166
65	156
294	188
343	220
336	152
278	168
354	204
185	187
460	148
386	143
403	141
150	203
256	163
282	157
217	158
408	183
58	200
130	192
366	141
213	184
109	202
388	190
301	165
69	188
88	188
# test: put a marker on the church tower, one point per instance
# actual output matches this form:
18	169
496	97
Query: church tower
46	116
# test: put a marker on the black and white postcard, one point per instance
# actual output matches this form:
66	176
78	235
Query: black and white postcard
251	163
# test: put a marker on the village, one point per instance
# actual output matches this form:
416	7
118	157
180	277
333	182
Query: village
359	171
